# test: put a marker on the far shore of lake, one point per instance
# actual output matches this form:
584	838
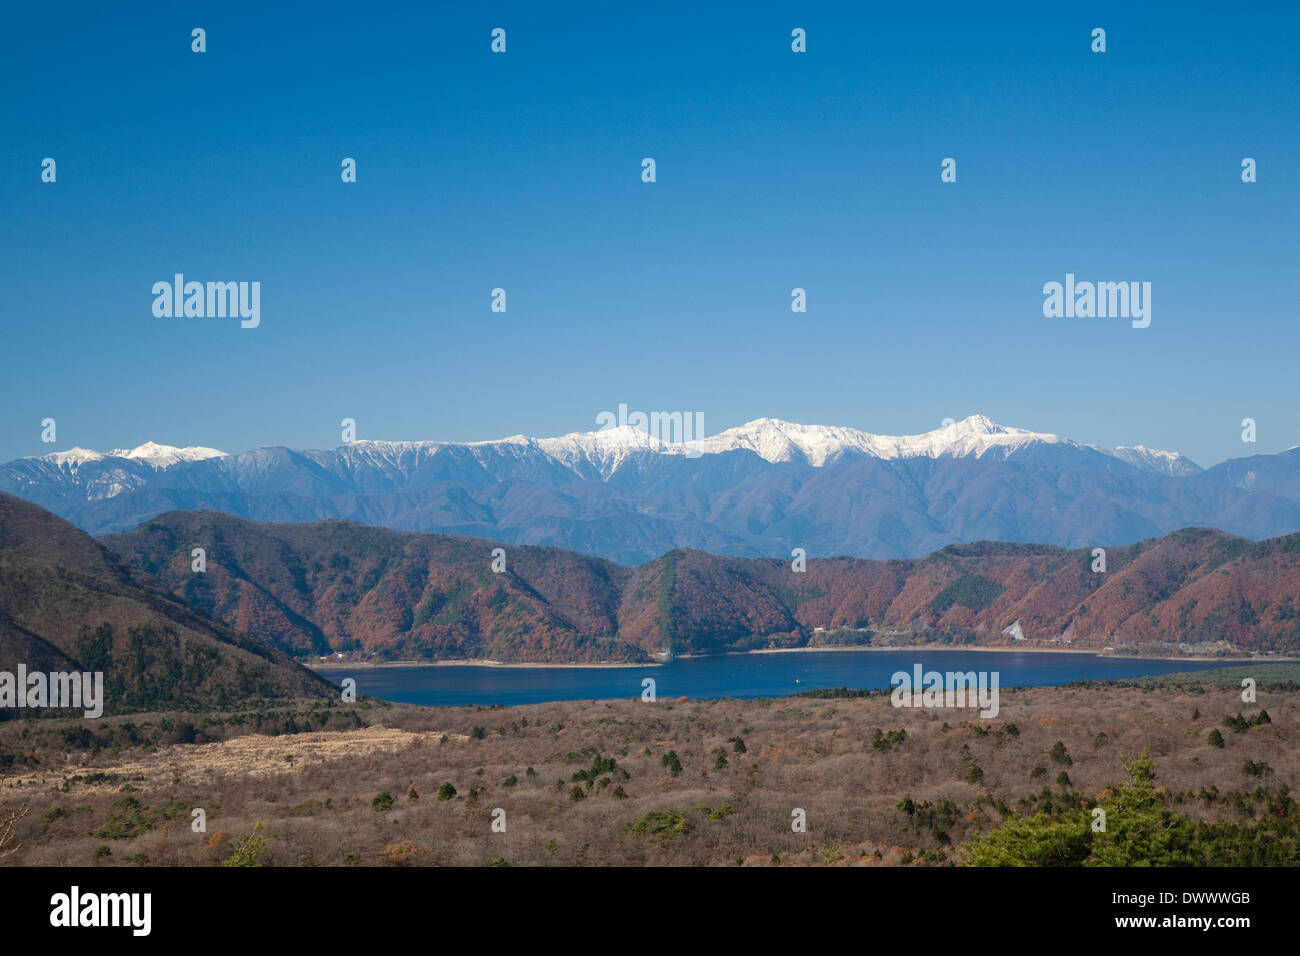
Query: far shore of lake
1012	648
334	665
480	662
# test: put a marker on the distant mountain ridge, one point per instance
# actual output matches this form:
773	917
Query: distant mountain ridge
323	587
757	490
771	439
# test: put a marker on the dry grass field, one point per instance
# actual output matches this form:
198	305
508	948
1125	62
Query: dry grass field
673	782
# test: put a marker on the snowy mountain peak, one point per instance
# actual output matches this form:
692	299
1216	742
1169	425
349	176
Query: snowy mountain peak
163	456
1153	459
605	449
150	453
773	439
777	441
72	457
979	424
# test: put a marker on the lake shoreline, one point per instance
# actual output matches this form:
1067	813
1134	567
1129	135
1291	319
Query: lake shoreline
917	648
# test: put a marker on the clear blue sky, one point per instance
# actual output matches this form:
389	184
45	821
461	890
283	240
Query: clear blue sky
775	170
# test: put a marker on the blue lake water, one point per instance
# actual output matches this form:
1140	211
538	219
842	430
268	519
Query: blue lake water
738	675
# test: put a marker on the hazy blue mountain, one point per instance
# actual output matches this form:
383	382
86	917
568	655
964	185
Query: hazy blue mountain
756	490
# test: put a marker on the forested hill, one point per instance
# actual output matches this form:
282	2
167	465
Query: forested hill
334	585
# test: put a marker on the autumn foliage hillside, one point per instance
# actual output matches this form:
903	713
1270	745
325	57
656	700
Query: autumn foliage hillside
338	586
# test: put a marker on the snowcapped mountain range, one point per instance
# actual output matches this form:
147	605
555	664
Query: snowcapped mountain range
771	439
757	489
775	440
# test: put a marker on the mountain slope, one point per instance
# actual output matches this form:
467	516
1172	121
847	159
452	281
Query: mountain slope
314	588
330	586
66	603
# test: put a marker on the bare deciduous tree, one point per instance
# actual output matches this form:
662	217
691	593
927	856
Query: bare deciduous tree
9	830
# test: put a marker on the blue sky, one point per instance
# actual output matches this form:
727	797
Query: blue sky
775	170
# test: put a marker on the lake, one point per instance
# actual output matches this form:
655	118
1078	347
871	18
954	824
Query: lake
736	675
